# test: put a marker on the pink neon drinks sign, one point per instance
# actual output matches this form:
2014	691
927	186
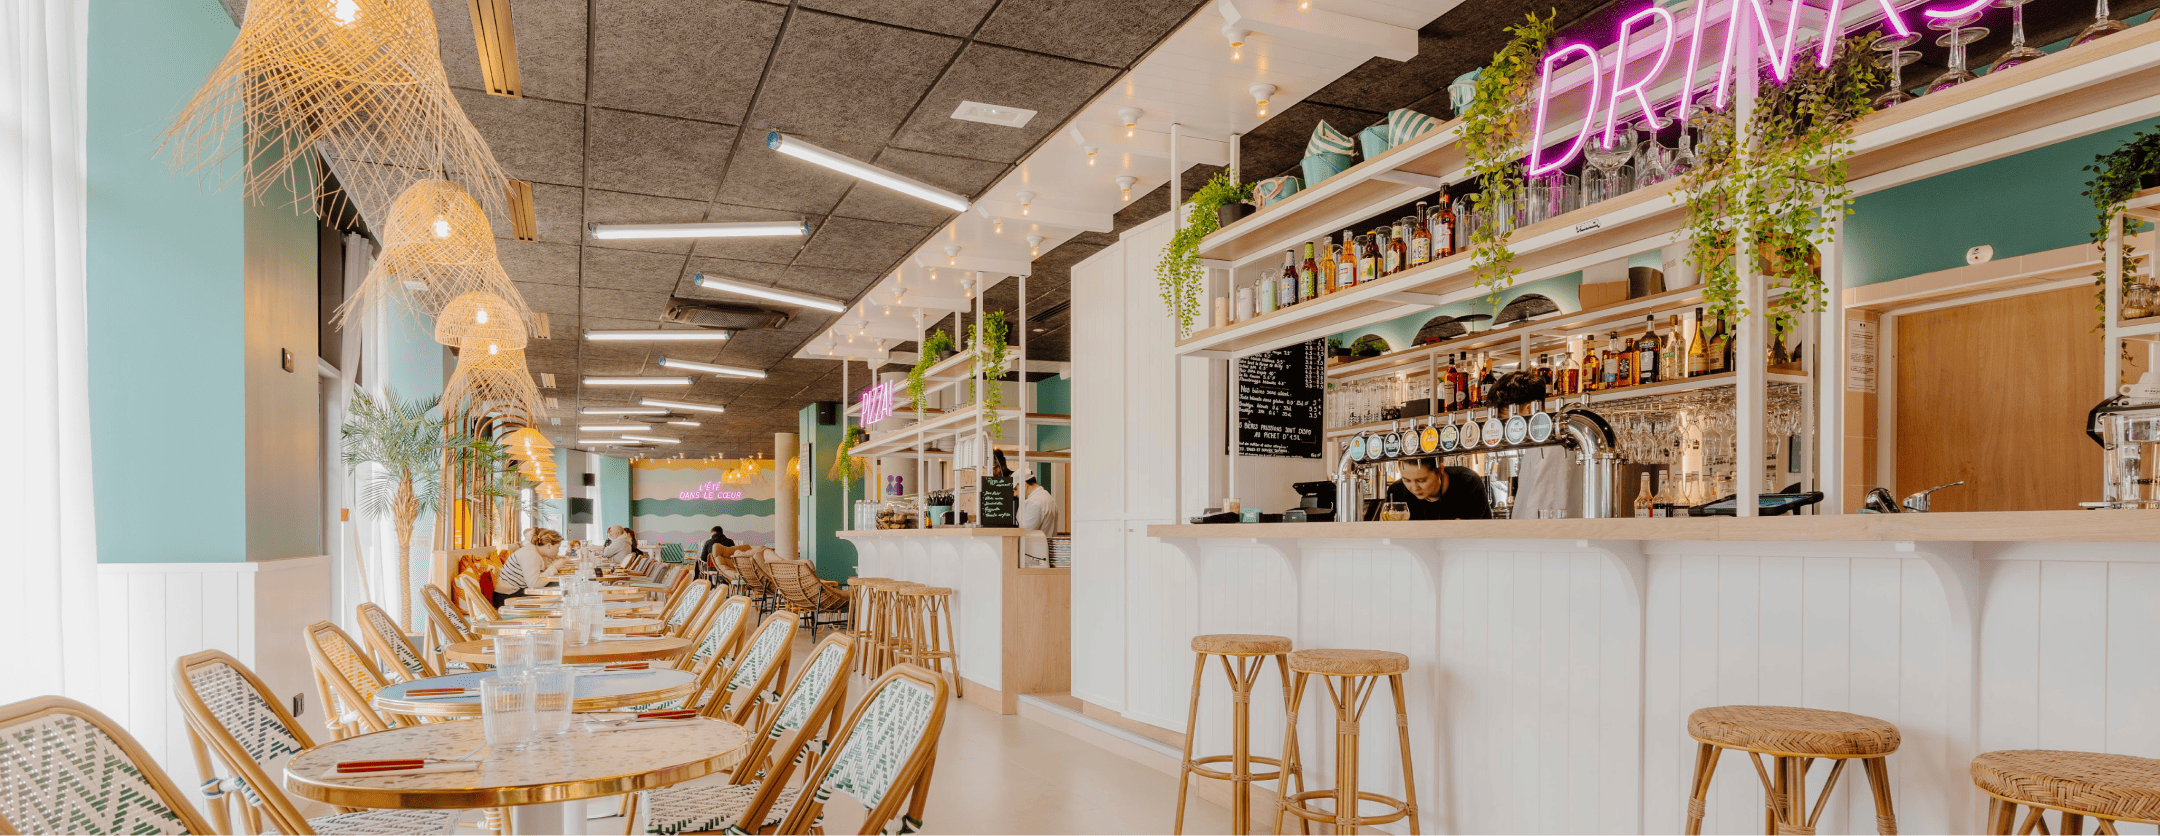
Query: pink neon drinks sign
1617	83
878	402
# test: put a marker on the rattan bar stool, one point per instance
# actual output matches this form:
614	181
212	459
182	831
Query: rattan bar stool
928	642
1350	676
860	613
1251	653
895	645
2079	785
1794	738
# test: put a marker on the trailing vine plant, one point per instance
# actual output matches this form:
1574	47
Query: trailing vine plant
2119	175
1778	183
846	467
1495	135
1178	273
937	343
990	362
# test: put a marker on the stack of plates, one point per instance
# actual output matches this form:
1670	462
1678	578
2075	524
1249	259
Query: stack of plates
1061	552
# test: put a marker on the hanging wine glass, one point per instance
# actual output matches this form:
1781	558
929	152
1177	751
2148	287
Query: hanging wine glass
1684	159
2019	53
1653	161
1603	180
2103	25
1894	58
1958	32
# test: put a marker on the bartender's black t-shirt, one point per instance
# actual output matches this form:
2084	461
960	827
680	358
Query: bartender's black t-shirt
1464	498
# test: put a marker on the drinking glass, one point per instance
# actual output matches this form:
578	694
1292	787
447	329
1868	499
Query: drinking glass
547	648
1395	512
1958	33
573	623
595	621
2019	53
513	653
506	711
2103	25
554	688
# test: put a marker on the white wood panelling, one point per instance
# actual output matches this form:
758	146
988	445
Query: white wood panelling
970	566
151	614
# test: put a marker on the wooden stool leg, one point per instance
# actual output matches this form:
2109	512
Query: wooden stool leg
945	606
1878	779
1192	719
1290	747
1289	767
1346	753
1402	731
2072	824
1240	744
1706	758
1999	815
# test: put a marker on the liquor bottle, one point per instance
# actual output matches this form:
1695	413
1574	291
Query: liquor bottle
1286	285
1442	224
1593	369
1571	375
1486	380
1327	265
1624	355
1643	504
1714	353
1368	268
1346	269
1730	341
1381	251
1399	245
1460	373
1446	379
1672	355
1661	504
1609	363
1698	347
1420	238
1545	371
1308	277
1647	352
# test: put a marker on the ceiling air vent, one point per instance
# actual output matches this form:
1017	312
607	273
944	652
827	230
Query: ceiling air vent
524	225
727	317
498	47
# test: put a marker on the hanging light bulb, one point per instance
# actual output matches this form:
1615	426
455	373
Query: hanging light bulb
998	226
1260	93
494	348
862	327
952	256
1025	199
1125	185
1035	246
1131	115
480	316
441	227
1237	41
888	309
1304	5
345	11
1091	154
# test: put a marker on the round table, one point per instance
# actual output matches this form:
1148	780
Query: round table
594	692
549	596
611	649
546	784
541	607
612	625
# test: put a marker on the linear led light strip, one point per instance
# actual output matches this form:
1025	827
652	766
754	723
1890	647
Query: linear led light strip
605	442
731	371
771	293
860	170
658	336
652	438
698	407
594	410
613	428
754	229
638	381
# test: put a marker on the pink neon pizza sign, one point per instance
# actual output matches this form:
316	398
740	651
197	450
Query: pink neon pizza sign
1616	83
878	402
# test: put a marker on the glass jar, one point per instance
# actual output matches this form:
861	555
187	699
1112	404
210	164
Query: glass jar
2139	301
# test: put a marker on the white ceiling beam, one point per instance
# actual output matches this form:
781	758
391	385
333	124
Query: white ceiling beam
1281	18
1044	215
1192	150
965	261
917	297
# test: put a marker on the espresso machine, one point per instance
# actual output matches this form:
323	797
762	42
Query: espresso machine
2129	433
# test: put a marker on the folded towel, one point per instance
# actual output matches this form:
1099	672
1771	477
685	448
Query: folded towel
1404	124
1327	140
372	769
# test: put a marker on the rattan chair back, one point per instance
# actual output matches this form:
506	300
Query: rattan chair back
477	603
347	680
70	769
392	650
764	661
883	756
681	608
450	625
231	711
718	642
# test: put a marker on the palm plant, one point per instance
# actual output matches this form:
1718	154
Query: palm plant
406	442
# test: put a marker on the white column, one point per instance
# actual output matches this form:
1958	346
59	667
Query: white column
786	520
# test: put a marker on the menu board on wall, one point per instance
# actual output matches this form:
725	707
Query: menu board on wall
999	507
1280	401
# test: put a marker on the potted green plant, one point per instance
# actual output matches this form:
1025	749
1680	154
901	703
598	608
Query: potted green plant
405	441
1495	133
846	466
935	348
2119	175
989	344
1178	272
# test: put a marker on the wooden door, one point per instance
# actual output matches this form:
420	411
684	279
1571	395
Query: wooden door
1996	393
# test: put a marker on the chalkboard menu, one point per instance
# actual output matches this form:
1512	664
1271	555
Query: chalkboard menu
1280	401
999	508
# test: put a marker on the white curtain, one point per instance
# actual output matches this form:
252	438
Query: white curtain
49	599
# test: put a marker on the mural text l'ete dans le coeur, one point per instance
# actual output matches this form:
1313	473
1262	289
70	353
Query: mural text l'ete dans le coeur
711	490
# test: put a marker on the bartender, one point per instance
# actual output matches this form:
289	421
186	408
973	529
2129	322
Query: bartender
1436	492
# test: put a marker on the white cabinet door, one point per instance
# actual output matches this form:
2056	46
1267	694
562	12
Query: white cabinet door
1150	390
1098	387
1098	612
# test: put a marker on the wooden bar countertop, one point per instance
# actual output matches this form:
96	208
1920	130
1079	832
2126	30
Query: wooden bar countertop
942	531
1976	526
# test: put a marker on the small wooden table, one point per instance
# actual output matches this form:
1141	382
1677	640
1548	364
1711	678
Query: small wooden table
594	692
545	784
542	607
612	625
611	649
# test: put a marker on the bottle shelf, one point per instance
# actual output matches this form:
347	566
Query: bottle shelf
1672	387
1553	327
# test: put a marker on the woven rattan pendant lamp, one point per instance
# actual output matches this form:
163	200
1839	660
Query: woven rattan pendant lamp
360	81
483	318
437	248
490	378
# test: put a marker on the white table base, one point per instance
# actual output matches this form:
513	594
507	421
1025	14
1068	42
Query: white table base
565	817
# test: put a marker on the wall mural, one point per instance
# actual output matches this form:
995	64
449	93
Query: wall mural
680	501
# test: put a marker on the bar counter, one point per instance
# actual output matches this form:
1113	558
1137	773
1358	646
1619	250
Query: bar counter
1013	623
1554	662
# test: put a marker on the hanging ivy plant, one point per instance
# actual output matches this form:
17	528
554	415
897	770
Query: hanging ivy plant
846	467
1779	183
1178	273
1495	135
2119	175
934	345
989	346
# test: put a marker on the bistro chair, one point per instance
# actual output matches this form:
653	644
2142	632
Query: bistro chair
883	757
477	603
446	625
706	610
346	682
682	606
926	629
231	711
862	611
803	591
763	664
2109	789
720	637
722	561
757	790
1794	738
760	567
68	768
392	649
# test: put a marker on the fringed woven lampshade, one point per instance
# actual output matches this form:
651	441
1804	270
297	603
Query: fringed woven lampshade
530	439
492	379
437	248
549	490
481	317
360	81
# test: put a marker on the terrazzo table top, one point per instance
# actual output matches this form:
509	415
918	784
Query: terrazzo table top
576	765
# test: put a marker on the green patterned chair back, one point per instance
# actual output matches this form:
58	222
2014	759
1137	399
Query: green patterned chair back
65	768
687	605
881	756
391	646
763	661
721	635
671	553
231	711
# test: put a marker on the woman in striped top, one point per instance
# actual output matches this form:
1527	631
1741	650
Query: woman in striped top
526	566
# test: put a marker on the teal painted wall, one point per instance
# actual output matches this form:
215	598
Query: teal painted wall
826	510
166	314
613	504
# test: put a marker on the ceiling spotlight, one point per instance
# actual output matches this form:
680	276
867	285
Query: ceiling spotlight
919	319
1131	115
1260	94
753	229
1025	199
850	166
879	345
1034	245
697	407
731	371
1237	41
656	336
1091	154
862	327
967	286
592	410
888	308
952	258
775	294
637	381
1125	185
